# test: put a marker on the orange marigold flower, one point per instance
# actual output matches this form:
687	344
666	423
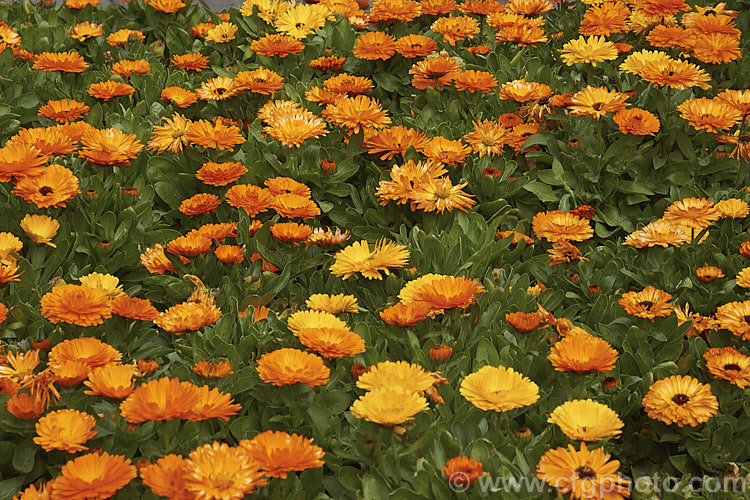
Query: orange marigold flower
435	71
121	37
487	138
198	204
229	254
187	317
220	471
394	10
65	430
112	380
374	45
146	366
155	261
166	477
331	342
680	400
24	406
395	140
220	174
290	366
462	472
251	198
356	112
134	308
662	8
523	322
523	91
52	187
605	19
328	63
70	62
181	97
19	160
523	33
597	102
415	46
455	28
160	399
440	352
277	453
109	89
401	314
649	303
637	121
293	205
290	232
475	81
63	111
708	273
215	370
109	147
446	292
695	213
95	475
189	245
217	135
75	304
277	45
556	226
167	6
709	114
90	351
581	352
193	61
127	68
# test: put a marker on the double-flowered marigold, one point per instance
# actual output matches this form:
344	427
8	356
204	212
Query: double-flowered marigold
333	304
499	388
70	62
64	110
219	471
462	472
187	317
109	147
90	351
75	304
109	89
290	366
581	352
561	226
583	473
113	380
389	406
590	50
65	430
728	363
19	160
735	317
446	292
95	475
586	420
277	453
169	399
166	477
215	135
408	376
680	400
359	258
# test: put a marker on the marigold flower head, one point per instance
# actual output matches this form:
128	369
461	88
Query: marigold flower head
277	453
79	305
586	420
389	406
680	400
463	472
219	369
187	317
710	115
498	388
63	111
113	380
109	89
220	471
95	475
561	226
65	430
727	363
290	366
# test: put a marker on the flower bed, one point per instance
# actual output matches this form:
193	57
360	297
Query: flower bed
420	250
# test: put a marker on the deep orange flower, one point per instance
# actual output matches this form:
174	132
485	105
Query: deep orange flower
523	91
447	292
127	68
293	205
475	81
395	140
709	114
198	204
291	366
581	352
487	138
192	61
253	199
50	141
19	160
277	45
523	33
220	174
155	261
92	352
277	453
350	85
134	308
217	135
160	399
401	314
96	475
70	62
215	370
605	19
170	136
649	303
75	304
556	226
53	187
462	472
662	8
637	121
523	322
670	37
374	45
109	89
229	254
259	81
290	232
65	429
435	71
121	37
109	147
63	111
181	97
167	477
356	112
332	342
112	380
440	352
187	317
167	6
597	102
24	406
394	10
220	471
415	46
328	63
455	28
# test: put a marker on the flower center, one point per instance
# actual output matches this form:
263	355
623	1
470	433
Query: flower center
647	304
488	140
732	366
45	190
598	106
747	318
680	399
586	472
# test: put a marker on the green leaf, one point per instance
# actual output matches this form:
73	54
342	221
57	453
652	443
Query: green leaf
23	457
542	191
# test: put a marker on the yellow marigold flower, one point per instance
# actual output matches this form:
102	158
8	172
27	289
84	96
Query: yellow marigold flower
680	400
334	304
499	388
408	376
586	420
389	406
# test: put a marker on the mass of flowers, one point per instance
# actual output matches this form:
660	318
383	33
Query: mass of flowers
374	249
